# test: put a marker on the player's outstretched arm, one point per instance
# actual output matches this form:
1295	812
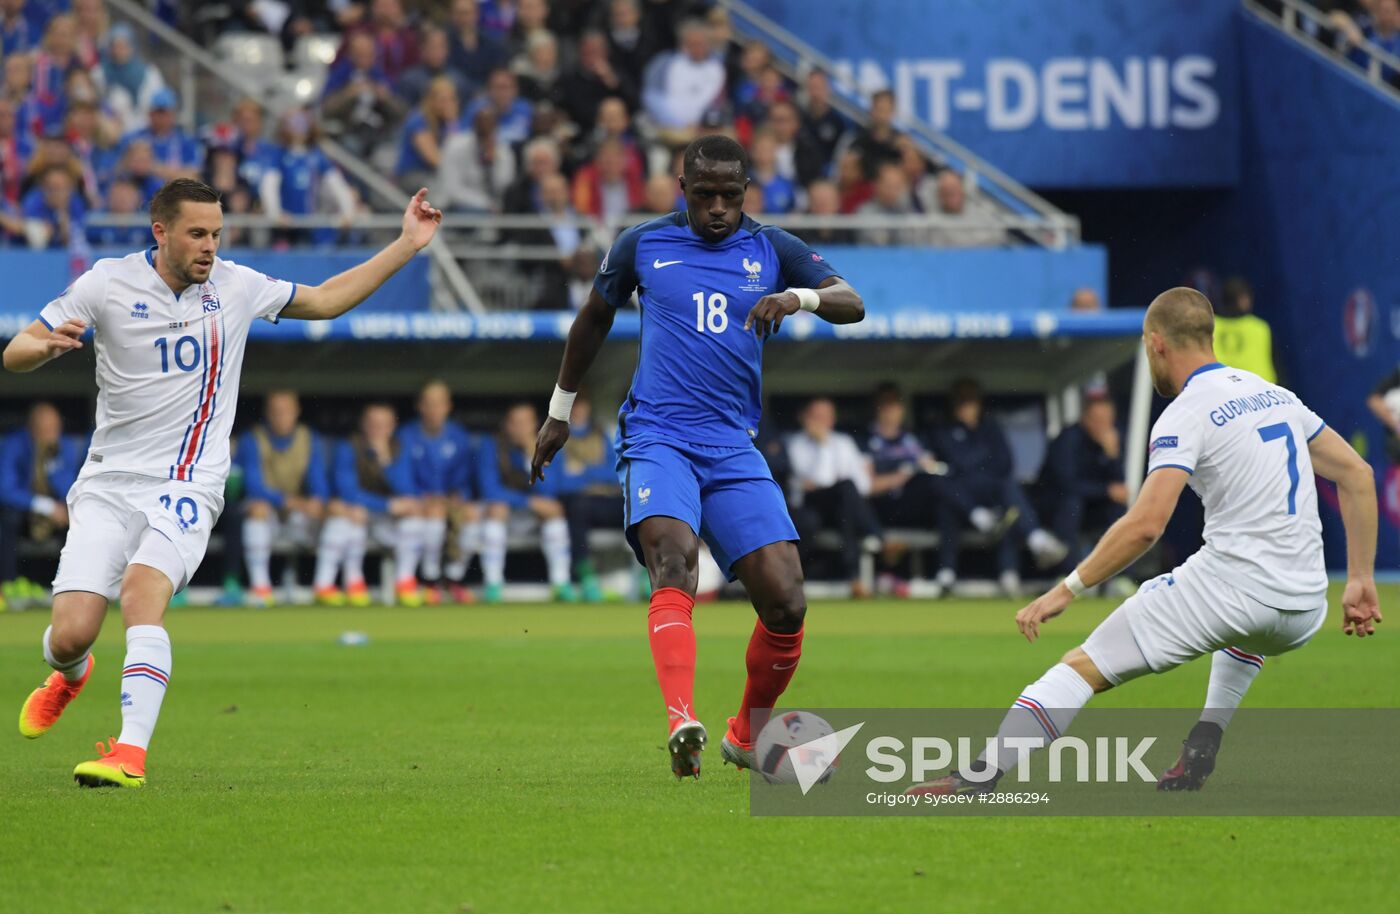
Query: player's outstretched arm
586	337
38	345
344	291
834	301
1334	459
1123	543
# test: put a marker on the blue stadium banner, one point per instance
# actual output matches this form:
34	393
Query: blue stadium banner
366	326
1057	93
1007	281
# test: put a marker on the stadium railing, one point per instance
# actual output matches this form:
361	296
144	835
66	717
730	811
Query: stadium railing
189	60
1308	24
204	79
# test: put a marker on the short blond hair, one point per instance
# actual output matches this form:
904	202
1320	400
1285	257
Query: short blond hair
1184	317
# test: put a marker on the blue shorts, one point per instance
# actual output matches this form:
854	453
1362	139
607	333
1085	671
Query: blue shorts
726	494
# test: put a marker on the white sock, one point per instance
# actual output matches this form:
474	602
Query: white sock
1043	711
408	546
356	541
257	551
983	519
554	542
468	545
330	551
73	671
493	551
434	535
144	678
1231	673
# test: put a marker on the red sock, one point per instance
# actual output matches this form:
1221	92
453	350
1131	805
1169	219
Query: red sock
673	650
772	659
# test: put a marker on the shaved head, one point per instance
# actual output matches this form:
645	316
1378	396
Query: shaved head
1184	318
1178	333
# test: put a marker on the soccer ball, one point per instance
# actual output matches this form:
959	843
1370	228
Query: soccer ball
784	737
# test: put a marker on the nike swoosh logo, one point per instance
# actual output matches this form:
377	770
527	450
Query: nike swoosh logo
667	625
788	667
658	264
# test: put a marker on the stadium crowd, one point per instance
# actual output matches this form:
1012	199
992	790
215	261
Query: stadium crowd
564	109
441	499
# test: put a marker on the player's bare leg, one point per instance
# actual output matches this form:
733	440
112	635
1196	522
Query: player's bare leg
145	594
672	552
77	620
773	577
1043	710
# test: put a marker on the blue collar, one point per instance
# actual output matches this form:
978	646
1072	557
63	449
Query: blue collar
1211	366
150	256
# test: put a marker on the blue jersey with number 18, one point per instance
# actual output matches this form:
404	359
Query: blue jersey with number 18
699	374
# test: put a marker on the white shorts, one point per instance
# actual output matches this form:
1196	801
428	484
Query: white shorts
1186	614
119	519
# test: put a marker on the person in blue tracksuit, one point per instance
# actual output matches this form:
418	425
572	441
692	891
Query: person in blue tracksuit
372	479
286	487
38	464
980	473
1083	475
503	473
440	453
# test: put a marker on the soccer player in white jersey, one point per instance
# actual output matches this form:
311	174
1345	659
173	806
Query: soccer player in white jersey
171	323
1258	586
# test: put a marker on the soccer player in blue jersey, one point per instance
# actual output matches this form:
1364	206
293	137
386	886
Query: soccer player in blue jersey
686	458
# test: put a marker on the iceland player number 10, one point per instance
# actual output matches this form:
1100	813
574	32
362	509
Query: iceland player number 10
716	318
186	351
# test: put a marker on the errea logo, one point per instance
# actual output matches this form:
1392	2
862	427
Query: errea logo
141	311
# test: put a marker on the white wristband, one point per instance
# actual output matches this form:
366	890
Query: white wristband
807	299
561	405
1075	583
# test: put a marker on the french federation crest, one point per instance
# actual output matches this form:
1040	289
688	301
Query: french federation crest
754	279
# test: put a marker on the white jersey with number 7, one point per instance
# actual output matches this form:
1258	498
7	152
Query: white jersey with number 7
167	366
1245	443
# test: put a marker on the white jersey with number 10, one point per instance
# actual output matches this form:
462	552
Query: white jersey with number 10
1245	443
168	366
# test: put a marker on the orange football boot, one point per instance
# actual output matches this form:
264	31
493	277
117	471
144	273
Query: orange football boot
45	704
357	593
120	765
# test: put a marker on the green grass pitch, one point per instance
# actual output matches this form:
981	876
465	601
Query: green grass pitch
510	759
